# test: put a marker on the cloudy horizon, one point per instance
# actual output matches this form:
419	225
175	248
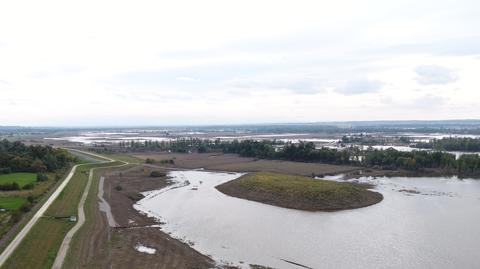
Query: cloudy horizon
113	63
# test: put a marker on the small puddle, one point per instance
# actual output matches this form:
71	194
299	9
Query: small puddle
144	249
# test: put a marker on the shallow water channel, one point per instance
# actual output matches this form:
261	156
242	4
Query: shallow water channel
421	223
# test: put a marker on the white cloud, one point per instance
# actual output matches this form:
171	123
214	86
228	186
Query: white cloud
434	74
159	62
186	79
359	86
294	85
428	102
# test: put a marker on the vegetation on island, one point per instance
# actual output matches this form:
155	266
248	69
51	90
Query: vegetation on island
299	192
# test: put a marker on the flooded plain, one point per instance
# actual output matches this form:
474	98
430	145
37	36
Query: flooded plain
422	223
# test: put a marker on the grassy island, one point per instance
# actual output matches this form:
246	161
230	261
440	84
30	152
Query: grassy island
299	192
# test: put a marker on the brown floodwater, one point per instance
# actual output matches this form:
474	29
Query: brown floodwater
421	223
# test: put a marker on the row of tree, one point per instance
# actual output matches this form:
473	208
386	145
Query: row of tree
18	157
468	164
181	145
453	144
307	152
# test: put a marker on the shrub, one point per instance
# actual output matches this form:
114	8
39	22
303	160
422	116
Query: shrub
16	216
15	186
157	174
41	177
10	187
169	161
150	161
5	170
28	186
135	196
118	188
26	207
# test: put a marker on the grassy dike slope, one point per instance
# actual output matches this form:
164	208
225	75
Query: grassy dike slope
299	192
74	258
39	248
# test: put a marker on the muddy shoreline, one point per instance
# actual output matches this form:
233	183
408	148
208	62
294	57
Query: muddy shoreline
102	246
122	192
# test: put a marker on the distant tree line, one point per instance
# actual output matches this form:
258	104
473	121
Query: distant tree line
18	157
369	140
307	152
468	164
452	144
181	145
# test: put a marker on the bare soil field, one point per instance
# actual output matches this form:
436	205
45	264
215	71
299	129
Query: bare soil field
235	163
102	246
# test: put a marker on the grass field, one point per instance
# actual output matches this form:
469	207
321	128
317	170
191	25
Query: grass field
8	226
21	179
83	158
236	163
299	192
40	246
295	185
11	203
89	204
126	158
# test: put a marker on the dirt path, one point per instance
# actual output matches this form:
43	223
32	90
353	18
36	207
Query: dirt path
104	206
62	252
65	246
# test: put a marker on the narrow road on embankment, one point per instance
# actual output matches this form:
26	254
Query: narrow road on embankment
65	246
21	235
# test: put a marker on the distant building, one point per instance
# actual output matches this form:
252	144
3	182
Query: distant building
73	218
278	148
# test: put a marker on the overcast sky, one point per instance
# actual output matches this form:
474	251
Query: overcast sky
215	62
